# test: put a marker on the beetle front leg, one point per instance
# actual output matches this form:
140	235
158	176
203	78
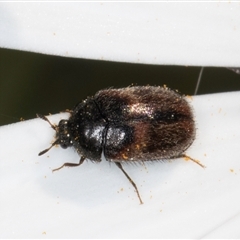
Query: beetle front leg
70	164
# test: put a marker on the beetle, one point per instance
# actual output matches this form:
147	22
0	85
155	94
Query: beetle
132	124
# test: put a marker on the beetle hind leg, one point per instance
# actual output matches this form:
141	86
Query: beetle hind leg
130	180
186	157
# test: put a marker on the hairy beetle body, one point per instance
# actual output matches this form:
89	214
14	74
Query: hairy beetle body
128	124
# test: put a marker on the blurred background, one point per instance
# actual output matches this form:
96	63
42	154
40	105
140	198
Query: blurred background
33	83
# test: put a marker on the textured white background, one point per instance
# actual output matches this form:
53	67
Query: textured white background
157	33
96	200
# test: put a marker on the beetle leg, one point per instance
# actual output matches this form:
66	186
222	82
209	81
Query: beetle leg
186	157
130	180
71	164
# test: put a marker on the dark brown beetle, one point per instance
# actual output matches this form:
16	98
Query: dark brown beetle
128	125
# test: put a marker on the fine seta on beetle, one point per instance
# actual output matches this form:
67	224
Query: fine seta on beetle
132	124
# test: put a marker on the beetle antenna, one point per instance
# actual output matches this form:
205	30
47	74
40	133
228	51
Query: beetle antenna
46	150
46	119
53	127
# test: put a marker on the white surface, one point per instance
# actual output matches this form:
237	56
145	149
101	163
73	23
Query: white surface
202	34
181	200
